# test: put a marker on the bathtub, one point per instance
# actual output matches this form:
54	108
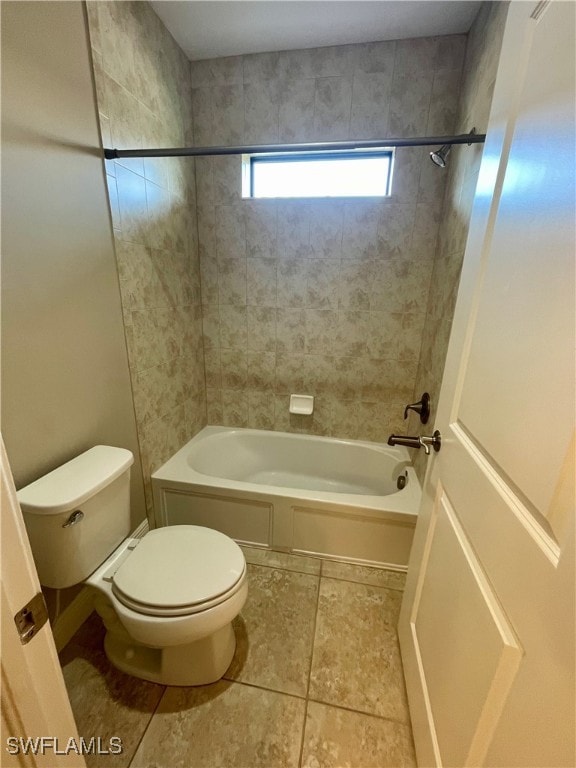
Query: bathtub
294	493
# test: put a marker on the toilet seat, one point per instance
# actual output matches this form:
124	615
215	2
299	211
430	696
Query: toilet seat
178	571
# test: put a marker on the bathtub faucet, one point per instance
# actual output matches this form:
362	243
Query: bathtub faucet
420	441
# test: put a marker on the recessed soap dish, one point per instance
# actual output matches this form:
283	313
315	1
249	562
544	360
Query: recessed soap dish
302	404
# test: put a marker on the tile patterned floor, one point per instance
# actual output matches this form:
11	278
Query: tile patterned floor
316	681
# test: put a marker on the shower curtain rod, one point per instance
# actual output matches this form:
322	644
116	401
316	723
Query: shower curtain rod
421	141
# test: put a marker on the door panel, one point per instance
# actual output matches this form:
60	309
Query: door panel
525	311
487	623
469	668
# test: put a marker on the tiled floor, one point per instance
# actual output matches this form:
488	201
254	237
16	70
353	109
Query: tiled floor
316	680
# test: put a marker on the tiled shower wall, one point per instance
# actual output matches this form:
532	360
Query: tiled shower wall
143	91
482	55
326	298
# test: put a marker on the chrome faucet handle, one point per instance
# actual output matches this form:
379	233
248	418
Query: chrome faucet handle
422	408
435	441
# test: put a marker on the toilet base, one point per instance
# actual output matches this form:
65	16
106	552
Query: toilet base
199	663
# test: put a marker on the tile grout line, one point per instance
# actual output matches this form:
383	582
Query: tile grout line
310	665
363	583
361	712
262	688
303	733
145	731
335	578
282	568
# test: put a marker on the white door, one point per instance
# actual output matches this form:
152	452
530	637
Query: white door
34	699
487	628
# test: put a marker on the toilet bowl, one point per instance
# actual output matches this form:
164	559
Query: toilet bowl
175	591
167	599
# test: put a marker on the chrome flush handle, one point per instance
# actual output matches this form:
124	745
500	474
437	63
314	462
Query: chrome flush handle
74	518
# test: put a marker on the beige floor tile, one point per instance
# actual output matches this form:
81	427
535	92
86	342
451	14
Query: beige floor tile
362	574
338	737
105	702
275	630
225	725
356	662
283	560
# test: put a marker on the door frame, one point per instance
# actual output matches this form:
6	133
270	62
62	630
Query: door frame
34	700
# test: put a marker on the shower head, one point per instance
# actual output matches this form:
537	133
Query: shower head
439	157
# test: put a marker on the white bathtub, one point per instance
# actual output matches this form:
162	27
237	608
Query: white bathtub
294	493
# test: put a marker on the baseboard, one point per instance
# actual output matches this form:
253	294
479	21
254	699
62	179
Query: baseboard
75	614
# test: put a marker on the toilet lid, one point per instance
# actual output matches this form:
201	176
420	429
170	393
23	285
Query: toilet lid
178	567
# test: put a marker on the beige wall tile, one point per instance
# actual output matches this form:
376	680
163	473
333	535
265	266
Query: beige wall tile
353	332
227	114
232	281
321	330
356	279
293	375
260	227
224	71
370	105
214	410
292	283
261	410
261	112
290	330
293	229
345	417
259	67
261	329
332	105
234	408
261	282
261	371
230	232
296	110
376	57
323	284
325	229
234	368
144	95
330	284
233	327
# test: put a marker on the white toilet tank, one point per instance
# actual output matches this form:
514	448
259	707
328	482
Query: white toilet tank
78	514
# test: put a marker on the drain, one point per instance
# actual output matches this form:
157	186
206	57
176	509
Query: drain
401	482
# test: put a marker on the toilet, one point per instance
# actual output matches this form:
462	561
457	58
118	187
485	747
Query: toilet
167	599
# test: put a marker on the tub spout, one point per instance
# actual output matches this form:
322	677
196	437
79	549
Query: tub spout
409	442
418	441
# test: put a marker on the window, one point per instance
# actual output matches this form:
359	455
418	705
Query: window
356	173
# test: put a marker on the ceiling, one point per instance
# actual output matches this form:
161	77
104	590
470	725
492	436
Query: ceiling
207	29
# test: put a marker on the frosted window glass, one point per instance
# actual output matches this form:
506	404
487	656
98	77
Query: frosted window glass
334	176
